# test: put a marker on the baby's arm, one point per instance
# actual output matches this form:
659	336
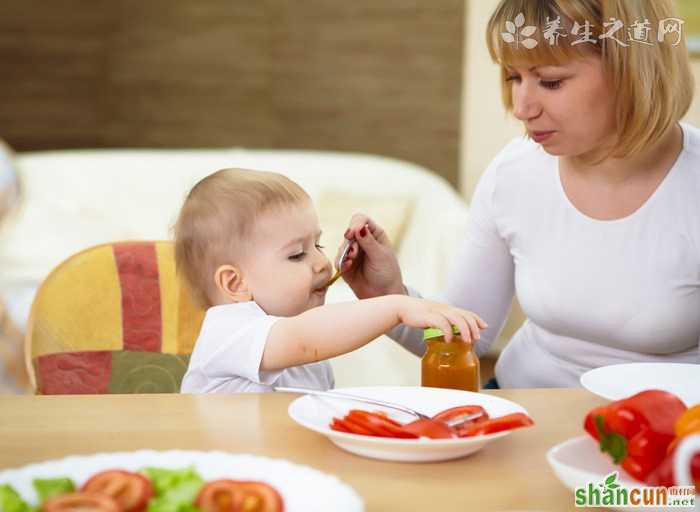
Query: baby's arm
335	329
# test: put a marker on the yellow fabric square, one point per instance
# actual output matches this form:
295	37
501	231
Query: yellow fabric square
87	287
181	317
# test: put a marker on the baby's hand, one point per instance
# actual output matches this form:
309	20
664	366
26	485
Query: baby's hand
426	313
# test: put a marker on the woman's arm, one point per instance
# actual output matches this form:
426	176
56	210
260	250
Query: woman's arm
328	331
482	275
481	278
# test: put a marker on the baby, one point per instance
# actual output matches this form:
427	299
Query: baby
247	243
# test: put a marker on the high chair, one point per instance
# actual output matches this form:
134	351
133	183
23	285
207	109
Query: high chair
113	318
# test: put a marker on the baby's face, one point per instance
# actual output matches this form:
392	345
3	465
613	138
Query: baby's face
285	266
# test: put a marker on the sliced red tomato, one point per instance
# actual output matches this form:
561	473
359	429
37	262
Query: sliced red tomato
238	496
81	502
340	425
351	427
367	423
377	414
430	428
493	425
357	427
379	424
130	490
462	410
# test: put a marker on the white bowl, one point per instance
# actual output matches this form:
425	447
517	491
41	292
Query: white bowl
578	461
619	381
316	413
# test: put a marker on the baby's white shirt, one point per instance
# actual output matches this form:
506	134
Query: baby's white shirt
228	352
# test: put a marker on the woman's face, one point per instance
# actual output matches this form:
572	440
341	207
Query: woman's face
567	108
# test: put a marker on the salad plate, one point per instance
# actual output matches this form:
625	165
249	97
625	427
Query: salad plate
302	488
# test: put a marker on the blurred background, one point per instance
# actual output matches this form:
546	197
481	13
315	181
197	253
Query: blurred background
405	79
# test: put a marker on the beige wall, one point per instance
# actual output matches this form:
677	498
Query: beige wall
365	76
486	128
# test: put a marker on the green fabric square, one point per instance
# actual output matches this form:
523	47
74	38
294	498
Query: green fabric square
147	372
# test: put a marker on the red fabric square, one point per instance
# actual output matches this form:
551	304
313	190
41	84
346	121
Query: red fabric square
74	373
137	265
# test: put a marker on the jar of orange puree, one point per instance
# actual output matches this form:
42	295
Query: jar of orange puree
450	364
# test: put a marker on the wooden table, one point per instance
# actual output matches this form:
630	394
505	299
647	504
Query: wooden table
511	474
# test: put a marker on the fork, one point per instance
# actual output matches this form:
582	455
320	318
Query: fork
389	405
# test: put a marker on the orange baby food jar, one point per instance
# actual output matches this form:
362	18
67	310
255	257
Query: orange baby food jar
449	364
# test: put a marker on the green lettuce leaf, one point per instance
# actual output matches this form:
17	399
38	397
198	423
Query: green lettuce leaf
49	487
174	489
10	500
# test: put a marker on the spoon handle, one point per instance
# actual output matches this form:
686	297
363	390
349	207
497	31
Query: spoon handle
454	422
344	396
333	279
339	272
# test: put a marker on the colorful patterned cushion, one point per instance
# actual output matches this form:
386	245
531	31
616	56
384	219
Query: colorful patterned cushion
113	319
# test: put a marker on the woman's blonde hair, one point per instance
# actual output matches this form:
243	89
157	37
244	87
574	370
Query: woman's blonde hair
219	215
653	84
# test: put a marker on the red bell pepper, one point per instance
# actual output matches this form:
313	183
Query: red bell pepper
688	423
663	474
636	431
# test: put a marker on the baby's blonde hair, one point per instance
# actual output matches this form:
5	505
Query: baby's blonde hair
653	85
218	216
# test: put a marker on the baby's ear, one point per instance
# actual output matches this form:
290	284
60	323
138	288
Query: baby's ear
231	285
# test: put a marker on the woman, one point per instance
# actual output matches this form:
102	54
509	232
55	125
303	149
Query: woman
593	219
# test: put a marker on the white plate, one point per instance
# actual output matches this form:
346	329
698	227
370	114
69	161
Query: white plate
578	461
620	381
302	488
316	413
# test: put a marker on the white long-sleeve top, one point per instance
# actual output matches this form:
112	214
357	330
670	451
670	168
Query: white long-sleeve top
594	292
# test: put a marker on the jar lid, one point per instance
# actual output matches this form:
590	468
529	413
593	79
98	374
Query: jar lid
434	332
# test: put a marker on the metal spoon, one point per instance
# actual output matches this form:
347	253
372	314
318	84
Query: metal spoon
389	405
343	255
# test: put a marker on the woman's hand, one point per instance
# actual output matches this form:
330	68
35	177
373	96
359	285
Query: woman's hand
370	268
426	313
